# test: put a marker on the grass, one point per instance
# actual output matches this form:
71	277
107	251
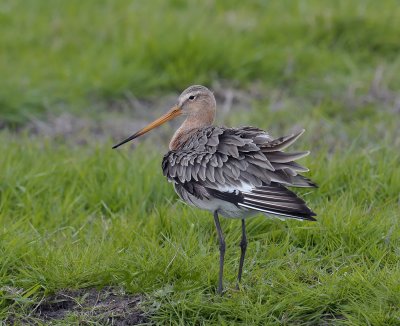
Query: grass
92	217
75	214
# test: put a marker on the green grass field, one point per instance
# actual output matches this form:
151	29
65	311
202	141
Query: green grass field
78	215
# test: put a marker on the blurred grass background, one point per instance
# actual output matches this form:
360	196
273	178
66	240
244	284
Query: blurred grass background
75	214
69	55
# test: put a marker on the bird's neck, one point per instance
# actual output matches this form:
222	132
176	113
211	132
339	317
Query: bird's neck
188	127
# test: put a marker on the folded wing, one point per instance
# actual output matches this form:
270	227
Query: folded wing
245	166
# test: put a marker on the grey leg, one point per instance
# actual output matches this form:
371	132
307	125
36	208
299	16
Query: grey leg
243	247
221	251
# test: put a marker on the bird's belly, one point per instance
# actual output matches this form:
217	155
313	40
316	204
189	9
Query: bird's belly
224	208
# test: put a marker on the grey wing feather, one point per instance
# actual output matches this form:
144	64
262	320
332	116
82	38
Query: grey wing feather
282	142
244	154
215	159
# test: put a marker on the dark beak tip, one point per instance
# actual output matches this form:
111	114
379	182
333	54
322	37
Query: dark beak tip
115	146
125	141
118	145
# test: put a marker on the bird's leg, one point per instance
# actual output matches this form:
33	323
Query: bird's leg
243	247
221	251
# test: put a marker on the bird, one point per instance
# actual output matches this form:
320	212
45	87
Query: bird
231	172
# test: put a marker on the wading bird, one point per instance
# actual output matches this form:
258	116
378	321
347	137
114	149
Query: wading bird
233	172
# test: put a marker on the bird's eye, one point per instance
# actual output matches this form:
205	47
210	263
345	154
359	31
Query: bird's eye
192	97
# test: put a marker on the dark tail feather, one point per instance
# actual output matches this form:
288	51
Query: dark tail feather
273	199
277	200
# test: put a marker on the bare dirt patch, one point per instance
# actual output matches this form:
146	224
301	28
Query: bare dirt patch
108	306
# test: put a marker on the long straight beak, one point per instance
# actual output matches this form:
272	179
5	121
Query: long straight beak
171	114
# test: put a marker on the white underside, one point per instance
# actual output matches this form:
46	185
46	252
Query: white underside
225	208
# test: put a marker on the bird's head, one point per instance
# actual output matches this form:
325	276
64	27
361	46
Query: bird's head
197	101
